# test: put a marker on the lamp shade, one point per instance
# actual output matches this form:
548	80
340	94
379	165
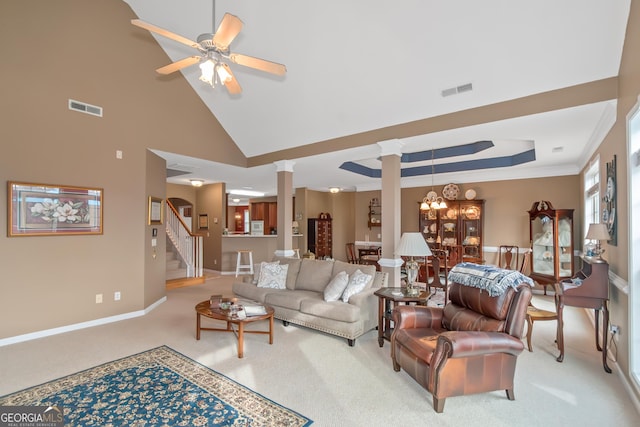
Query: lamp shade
413	244
598	232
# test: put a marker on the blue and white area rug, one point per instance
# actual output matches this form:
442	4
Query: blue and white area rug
159	387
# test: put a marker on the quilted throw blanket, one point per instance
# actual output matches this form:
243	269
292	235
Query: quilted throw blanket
493	279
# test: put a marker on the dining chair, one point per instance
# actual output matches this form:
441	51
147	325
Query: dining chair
506	258
438	265
351	253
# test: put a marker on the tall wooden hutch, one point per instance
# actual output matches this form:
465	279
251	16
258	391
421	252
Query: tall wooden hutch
320	236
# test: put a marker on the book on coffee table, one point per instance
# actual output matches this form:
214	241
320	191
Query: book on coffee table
255	310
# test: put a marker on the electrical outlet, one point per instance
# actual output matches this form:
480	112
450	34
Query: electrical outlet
98	298
116	296
614	329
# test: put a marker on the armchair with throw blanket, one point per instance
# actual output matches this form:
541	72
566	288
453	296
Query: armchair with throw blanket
471	345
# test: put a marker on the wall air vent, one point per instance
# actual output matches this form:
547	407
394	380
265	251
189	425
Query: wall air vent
83	107
458	89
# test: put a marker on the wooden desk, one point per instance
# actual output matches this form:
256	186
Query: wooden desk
592	293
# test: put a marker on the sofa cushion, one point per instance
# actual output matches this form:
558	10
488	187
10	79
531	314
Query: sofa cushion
351	268
273	275
251	292
358	281
336	286
290	299
294	269
314	275
335	310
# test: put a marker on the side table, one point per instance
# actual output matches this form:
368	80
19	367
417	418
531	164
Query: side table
387	300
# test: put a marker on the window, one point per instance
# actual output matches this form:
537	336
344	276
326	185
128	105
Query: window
592	194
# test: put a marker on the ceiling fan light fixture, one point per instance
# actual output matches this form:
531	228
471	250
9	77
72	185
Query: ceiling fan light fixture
223	74
207	67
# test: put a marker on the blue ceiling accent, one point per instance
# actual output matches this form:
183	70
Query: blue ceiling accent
362	170
447	152
491	163
441	153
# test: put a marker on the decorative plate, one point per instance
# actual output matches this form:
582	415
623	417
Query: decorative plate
452	214
472	212
432	195
470	194
451	191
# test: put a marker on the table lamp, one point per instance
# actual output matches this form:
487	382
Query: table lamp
412	244
598	232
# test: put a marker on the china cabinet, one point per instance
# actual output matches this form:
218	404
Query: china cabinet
375	214
551	235
320	236
458	225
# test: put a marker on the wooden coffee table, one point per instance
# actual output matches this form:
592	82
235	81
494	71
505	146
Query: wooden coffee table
204	309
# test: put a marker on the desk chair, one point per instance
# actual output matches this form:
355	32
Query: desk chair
533	312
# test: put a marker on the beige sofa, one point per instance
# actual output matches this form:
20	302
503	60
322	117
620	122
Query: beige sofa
303	303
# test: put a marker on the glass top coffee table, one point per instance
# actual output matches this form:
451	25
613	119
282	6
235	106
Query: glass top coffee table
204	309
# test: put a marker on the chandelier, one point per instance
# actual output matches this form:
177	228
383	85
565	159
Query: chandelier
431	200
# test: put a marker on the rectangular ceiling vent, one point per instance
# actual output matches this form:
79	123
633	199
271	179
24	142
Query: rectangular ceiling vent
83	107
458	89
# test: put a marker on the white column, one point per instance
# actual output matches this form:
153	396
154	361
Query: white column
391	153
285	208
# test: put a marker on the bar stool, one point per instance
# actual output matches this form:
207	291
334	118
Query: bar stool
296	253
244	268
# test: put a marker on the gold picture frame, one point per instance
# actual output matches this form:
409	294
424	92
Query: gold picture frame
155	211
53	210
203	221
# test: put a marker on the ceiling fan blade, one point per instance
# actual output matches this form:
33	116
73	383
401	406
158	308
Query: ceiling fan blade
165	33
232	85
228	29
258	64
179	65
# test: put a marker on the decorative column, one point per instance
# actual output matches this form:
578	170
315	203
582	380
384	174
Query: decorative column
285	208
391	153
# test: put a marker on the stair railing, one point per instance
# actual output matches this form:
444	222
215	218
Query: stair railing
188	245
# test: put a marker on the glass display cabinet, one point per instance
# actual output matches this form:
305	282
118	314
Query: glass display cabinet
551	235
459	225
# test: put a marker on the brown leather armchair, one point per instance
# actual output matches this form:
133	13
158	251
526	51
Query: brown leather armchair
469	346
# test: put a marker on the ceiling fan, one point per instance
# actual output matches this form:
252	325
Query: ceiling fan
213	49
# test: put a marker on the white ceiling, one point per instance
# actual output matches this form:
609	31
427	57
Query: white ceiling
358	65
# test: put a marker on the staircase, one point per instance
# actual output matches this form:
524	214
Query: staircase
184	252
175	269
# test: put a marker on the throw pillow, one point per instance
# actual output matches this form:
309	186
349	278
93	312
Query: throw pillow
357	282
273	275
336	286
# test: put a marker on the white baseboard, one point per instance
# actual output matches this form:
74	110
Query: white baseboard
82	325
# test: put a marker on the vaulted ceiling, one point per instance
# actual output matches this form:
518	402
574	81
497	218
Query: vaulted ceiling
542	77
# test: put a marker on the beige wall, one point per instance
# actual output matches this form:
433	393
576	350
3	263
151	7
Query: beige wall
110	65
616	144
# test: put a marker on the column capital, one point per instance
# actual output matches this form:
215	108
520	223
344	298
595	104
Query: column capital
284	165
391	147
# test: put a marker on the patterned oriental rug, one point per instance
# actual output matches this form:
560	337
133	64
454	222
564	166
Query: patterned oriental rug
153	388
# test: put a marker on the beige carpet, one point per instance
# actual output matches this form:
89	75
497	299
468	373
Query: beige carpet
323	378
